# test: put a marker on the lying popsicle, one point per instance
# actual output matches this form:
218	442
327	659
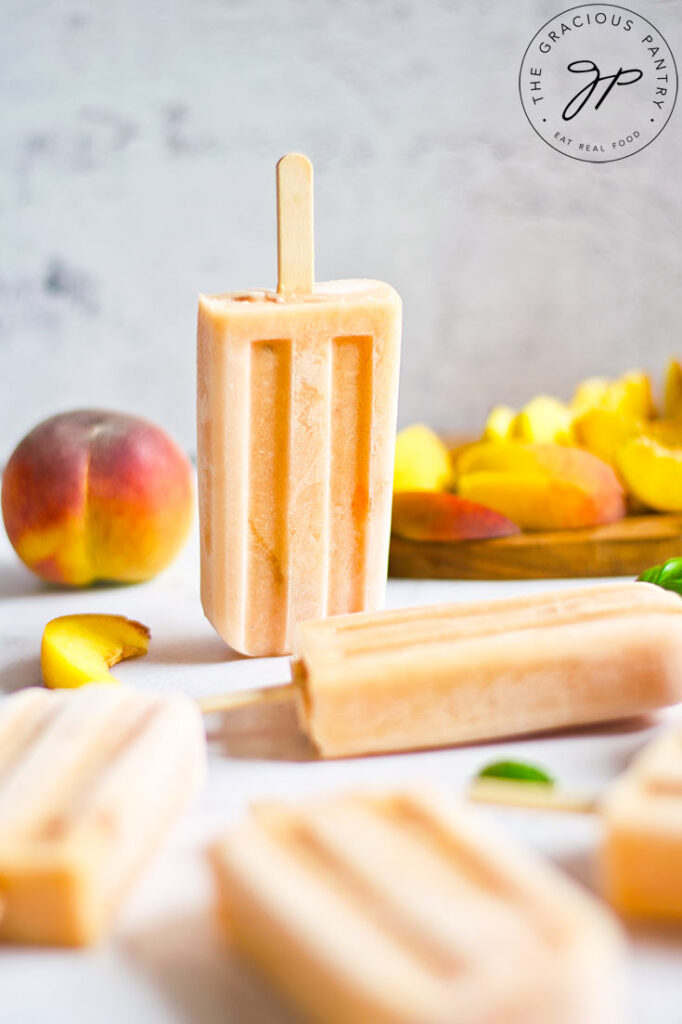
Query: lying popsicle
296	412
89	783
405	908
460	673
641	850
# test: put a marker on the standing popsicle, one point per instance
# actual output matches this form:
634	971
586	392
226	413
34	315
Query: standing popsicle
296	411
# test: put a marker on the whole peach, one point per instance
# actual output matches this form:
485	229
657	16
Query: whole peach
94	495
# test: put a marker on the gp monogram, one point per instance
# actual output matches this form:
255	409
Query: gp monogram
598	83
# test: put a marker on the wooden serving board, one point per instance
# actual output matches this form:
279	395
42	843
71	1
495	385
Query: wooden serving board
625	548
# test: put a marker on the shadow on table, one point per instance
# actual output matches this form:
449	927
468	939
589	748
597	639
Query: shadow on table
20	673
656	935
18	581
271	731
638	726
618	727
580	865
189	961
206	649
268	731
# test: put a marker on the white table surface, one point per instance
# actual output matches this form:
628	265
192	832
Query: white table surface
165	962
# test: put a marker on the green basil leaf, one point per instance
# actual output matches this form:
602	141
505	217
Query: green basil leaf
668	575
516	770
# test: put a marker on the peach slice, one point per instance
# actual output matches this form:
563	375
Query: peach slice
422	460
506	456
672	401
80	649
418	515
590	394
544	420
630	394
668	432
603	431
541	487
652	470
498	425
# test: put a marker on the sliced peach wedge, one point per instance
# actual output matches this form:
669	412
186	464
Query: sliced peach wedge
422	460
541	486
672	403
652	469
630	394
80	649
421	515
603	431
498	424
544	420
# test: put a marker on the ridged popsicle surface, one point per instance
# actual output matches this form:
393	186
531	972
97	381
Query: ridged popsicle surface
456	673
89	781
405	908
296	419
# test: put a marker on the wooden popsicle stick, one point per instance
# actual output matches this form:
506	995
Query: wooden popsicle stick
246	698
534	795
295	245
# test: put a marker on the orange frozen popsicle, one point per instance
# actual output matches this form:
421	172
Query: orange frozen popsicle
642	852
90	781
641	849
437	675
296	411
408	908
457	673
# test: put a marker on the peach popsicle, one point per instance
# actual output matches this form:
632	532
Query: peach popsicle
461	673
408	908
642	850
90	780
296	411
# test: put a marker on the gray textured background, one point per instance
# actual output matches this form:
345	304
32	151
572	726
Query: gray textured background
137	152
